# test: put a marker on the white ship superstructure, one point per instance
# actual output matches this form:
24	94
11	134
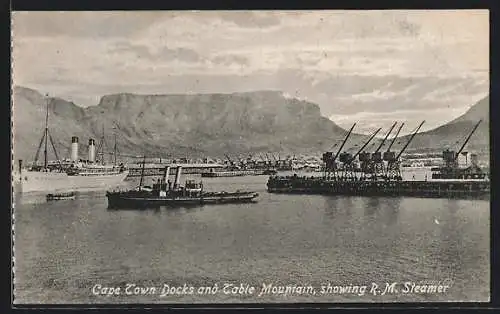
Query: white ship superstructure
70	174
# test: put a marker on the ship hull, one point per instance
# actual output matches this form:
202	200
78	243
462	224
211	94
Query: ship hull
120	200
239	173
34	181
473	189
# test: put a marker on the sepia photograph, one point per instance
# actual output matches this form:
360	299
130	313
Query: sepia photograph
250	157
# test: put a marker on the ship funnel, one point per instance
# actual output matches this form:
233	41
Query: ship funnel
91	150
166	174
20	166
74	148
178	176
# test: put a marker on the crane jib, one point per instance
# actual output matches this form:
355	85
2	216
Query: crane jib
385	138
395	137
468	138
343	143
411	138
363	147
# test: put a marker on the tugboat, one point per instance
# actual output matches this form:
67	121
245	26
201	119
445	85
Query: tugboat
163	193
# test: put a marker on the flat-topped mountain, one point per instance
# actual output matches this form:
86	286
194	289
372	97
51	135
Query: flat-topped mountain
162	125
206	124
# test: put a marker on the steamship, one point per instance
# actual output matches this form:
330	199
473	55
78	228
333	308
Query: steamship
70	174
172	194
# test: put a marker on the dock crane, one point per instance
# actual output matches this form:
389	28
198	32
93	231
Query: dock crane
329	159
264	159
275	160
250	160
269	164
268	160
348	160
231	162
376	164
241	162
450	158
393	171
388	154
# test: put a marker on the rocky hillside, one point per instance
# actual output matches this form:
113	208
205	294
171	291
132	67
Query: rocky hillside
177	125
447	136
206	124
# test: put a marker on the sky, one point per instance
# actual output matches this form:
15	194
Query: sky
369	67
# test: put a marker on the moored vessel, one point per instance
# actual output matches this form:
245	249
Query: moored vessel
166	193
70	174
379	174
478	188
238	173
61	196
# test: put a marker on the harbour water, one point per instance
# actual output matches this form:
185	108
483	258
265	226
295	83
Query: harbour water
66	251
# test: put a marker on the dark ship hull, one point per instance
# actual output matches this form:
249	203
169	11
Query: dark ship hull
136	199
61	196
237	173
172	194
475	189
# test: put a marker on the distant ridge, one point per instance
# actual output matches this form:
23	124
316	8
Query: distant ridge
447	136
206	124
178	125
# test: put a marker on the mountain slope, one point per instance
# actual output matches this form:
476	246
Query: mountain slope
453	134
29	123
208	124
162	125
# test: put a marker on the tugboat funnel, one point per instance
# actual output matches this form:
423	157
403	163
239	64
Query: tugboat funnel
74	148
166	175
91	150
178	176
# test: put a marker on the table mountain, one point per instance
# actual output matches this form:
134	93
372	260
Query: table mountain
176	125
207	124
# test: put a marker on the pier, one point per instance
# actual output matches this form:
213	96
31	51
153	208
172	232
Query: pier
157	169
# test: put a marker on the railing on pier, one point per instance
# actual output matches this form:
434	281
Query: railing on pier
158	169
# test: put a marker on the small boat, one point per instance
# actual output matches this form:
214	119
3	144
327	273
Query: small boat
270	172
164	193
61	196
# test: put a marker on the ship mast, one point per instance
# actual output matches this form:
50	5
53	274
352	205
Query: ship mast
45	138
46	135
142	170
114	153
102	143
102	147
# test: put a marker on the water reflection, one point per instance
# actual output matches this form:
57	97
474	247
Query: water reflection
64	247
372	204
332	206
451	233
391	210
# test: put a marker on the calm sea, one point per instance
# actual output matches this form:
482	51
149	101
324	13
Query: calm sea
301	248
